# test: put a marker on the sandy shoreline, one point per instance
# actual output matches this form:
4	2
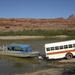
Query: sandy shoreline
20	37
52	71
66	67
29	37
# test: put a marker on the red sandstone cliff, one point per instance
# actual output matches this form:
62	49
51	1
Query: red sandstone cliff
7	24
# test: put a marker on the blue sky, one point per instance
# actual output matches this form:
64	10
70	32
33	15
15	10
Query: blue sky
36	8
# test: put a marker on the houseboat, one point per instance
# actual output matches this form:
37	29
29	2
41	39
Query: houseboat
18	50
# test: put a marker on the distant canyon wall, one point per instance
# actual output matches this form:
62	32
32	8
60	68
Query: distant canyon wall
7	24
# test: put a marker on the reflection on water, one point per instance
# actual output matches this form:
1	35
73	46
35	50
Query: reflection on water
18	65
27	61
12	65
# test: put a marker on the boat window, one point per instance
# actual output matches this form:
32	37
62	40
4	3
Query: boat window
48	49
56	48
29	49
52	48
70	45
12	48
61	47
17	49
25	49
73	45
9	48
65	46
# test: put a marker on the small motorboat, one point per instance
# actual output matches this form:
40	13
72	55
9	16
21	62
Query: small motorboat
18	50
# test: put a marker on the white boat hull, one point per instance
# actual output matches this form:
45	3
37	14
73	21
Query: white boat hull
29	54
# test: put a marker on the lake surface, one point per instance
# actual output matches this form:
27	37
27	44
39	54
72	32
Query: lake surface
13	65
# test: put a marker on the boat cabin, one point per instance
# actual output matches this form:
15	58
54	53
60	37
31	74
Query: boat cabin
18	48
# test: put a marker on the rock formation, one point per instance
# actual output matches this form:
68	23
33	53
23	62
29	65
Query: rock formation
7	24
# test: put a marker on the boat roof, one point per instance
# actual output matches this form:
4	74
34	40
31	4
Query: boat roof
21	45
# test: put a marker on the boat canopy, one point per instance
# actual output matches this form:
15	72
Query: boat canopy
20	45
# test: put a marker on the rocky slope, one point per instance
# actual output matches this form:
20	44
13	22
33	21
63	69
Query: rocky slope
7	24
